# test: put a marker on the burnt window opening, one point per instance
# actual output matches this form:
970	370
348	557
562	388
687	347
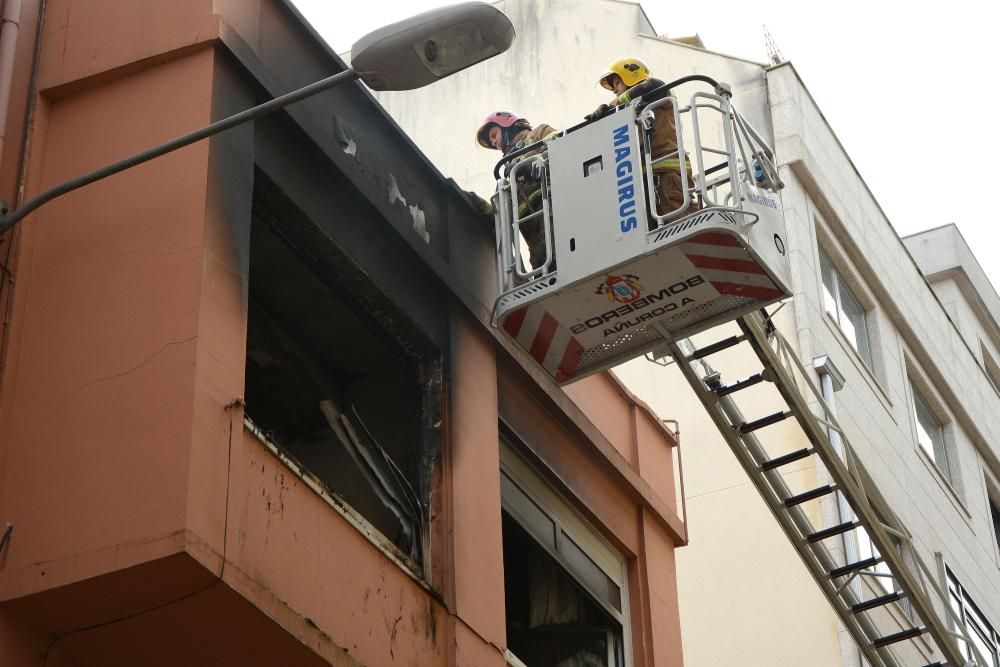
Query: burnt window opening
551	619
338	386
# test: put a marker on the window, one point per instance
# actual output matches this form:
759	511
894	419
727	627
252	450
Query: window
344	391
930	432
995	515
991	368
993	501
841	304
980	631
566	601
867	549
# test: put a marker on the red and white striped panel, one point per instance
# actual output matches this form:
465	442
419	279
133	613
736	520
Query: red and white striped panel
728	267
550	344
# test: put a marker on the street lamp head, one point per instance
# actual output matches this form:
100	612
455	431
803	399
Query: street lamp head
430	46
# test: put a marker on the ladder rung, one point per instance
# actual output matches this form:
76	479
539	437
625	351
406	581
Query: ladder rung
833	530
878	602
899	636
742	384
750	427
716	347
810	495
785	459
851	567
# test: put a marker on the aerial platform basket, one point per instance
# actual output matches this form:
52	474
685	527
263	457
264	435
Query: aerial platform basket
621	277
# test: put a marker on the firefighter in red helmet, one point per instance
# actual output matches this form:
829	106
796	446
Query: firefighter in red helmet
507	132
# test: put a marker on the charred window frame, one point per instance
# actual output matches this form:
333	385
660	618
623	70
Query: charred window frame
565	588
339	379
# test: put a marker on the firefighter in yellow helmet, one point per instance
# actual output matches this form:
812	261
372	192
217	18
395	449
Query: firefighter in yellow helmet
508	132
629	79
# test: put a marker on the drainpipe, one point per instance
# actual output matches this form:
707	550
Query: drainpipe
8	43
831	381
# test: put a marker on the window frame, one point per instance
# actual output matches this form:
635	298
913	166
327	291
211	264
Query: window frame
939	451
930	429
990	366
995	520
571	527
835	293
961	603
880	572
415	352
992	489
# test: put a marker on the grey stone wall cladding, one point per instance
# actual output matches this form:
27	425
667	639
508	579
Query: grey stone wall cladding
914	337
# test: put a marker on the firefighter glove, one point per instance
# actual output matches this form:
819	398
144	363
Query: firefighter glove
600	112
484	206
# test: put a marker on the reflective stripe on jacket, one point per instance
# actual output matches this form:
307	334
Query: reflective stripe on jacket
529	191
664	139
672	164
534	135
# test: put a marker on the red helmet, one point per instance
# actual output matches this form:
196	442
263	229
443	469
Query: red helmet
504	119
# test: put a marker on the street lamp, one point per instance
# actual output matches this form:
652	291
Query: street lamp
401	56
444	41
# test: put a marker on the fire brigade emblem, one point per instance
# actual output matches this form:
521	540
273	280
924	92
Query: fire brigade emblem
632	67
623	289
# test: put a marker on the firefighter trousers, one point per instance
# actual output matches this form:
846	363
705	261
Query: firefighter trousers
670	194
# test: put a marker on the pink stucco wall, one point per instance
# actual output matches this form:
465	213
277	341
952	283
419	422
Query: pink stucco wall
150	526
106	329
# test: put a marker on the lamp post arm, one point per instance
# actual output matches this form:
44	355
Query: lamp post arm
9	220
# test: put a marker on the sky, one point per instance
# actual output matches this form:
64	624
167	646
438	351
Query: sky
910	90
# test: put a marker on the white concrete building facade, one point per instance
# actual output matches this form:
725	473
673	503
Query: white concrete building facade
911	324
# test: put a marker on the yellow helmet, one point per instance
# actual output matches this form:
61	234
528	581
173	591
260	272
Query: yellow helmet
631	70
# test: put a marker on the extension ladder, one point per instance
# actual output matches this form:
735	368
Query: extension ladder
896	628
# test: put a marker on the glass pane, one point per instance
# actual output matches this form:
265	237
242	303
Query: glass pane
990	366
853	323
865	547
953	585
995	513
929	432
975	620
984	646
830	304
829	285
528	514
589	574
956	603
924	440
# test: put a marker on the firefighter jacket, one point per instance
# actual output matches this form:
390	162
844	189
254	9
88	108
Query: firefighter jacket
664	138
528	137
529	190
